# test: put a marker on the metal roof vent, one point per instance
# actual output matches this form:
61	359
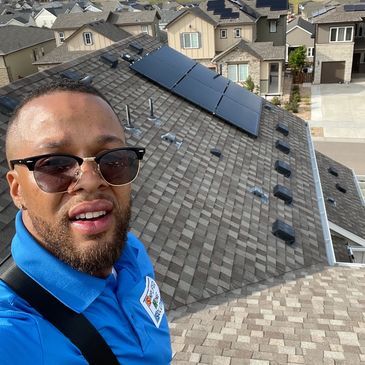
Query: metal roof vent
332	201
129	126
87	80
216	152
7	105
136	47
282	128
152	117
109	59
333	171
71	75
257	191
127	57
283	231
282	146
341	188
283	193
267	107
283	168
171	138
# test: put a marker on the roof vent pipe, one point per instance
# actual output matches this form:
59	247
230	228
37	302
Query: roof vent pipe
129	126
152	117
171	138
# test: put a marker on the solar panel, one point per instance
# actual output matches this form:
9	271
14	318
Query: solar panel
7	104
272	4
164	66
203	87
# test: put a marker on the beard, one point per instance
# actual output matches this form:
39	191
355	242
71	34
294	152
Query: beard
93	258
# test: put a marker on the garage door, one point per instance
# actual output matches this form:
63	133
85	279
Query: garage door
332	72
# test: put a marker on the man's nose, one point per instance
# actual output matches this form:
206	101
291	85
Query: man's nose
88	177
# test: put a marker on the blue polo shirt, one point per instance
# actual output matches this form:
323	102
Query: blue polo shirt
127	309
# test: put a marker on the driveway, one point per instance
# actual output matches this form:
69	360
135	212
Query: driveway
338	122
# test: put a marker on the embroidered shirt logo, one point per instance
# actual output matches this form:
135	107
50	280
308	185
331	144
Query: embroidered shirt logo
152	302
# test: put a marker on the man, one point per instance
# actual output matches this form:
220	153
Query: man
70	176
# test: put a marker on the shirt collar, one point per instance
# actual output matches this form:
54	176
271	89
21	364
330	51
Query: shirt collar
75	289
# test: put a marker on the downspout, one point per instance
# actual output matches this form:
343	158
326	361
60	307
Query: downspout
331	259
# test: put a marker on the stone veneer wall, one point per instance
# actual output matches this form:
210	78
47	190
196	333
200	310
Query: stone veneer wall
333	52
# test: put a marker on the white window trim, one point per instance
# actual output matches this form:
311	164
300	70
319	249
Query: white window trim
221	32
190	35
237	65
90	41
144	29
337	31
273	28
310	51
62	36
235	32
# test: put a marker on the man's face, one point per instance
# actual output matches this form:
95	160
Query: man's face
83	125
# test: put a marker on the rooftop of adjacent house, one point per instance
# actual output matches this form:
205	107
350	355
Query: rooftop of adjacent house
265	51
14	38
342	13
108	30
76	20
132	18
4	19
344	202
302	23
168	15
206	209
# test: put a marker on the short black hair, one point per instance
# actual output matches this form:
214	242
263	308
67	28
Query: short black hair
49	88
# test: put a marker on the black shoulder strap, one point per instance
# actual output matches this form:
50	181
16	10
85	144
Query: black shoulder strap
73	325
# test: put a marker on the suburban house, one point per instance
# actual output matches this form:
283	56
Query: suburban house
300	32
145	21
20	18
19	48
340	44
230	207
46	16
66	24
222	35
87	38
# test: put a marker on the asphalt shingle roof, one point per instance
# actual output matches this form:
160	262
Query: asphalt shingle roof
14	38
339	15
205	232
109	30
300	22
76	20
131	18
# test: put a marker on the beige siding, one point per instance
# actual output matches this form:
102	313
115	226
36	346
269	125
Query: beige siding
222	44
323	32
138	29
4	77
67	33
76	43
299	37
20	63
188	24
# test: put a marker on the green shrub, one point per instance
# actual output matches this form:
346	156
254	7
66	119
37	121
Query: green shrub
275	100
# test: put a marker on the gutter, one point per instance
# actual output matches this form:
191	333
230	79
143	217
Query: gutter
331	259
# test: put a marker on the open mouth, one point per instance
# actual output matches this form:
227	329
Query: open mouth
89	216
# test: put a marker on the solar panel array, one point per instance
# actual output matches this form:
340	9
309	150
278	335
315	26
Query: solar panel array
272	4
203	87
354	7
219	8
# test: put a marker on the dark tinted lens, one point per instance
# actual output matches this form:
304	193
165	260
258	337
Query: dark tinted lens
119	167
55	173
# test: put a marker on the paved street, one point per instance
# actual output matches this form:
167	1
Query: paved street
338	122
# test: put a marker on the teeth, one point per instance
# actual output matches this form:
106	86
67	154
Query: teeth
90	215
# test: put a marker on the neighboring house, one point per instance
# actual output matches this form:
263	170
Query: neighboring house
87	38
19	47
207	210
112	6
300	33
66	24
340	44
47	15
94	8
145	21
214	34
20	18
167	16
345	208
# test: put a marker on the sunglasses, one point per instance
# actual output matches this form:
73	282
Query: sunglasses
55	173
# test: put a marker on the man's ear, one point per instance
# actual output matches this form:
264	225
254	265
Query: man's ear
15	188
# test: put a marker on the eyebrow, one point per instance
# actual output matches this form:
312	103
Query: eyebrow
101	140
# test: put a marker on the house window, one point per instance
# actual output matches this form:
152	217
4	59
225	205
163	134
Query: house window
144	29
273	26
237	33
360	30
35	54
88	38
310	52
223	33
341	34
190	40
238	72
62	36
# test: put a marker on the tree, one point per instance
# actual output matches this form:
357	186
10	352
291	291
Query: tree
297	58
